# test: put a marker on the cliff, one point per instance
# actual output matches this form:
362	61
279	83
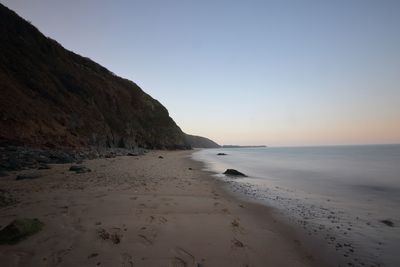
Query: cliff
52	97
200	142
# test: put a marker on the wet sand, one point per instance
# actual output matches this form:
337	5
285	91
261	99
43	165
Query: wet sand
143	211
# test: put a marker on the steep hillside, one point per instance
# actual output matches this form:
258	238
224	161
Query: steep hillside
52	97
200	142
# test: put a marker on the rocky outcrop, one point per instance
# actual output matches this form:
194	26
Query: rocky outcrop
51	97
200	142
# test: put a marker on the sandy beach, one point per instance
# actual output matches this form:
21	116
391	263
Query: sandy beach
159	209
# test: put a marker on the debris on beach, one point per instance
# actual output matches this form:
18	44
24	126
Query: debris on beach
19	229
222	154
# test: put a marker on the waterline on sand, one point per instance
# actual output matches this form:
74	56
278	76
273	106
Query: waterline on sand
345	198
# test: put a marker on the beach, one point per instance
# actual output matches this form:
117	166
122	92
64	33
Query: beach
159	209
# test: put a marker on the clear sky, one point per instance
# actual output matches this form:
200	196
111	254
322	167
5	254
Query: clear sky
301	72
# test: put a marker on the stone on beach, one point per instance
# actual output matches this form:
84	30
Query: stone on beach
222	154
234	172
388	223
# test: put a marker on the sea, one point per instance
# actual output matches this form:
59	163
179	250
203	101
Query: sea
346	198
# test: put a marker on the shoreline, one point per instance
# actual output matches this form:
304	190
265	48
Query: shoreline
159	209
306	245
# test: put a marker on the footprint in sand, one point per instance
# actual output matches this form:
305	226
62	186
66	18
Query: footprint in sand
225	210
237	243
93	255
127	260
235	222
145	240
58	255
151	219
236	226
178	262
113	237
147	236
163	220
182	258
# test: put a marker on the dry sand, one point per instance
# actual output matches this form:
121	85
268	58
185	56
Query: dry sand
142	211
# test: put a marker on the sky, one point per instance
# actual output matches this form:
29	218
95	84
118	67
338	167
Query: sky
278	73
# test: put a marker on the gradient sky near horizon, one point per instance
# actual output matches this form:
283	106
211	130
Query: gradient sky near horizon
301	72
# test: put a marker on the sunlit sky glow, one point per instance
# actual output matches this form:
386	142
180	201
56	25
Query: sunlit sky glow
247	72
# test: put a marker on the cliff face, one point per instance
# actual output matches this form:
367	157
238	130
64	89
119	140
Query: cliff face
53	97
200	142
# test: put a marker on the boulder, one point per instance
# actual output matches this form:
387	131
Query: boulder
234	173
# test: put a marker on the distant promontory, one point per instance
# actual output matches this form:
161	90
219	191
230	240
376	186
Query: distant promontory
237	146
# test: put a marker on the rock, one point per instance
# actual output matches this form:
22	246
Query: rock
43	167
221	154
19	229
388	223
79	169
132	154
160	157
234	172
27	176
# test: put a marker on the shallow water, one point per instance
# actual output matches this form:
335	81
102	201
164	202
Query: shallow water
337	194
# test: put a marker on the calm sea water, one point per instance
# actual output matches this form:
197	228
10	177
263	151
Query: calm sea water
339	195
